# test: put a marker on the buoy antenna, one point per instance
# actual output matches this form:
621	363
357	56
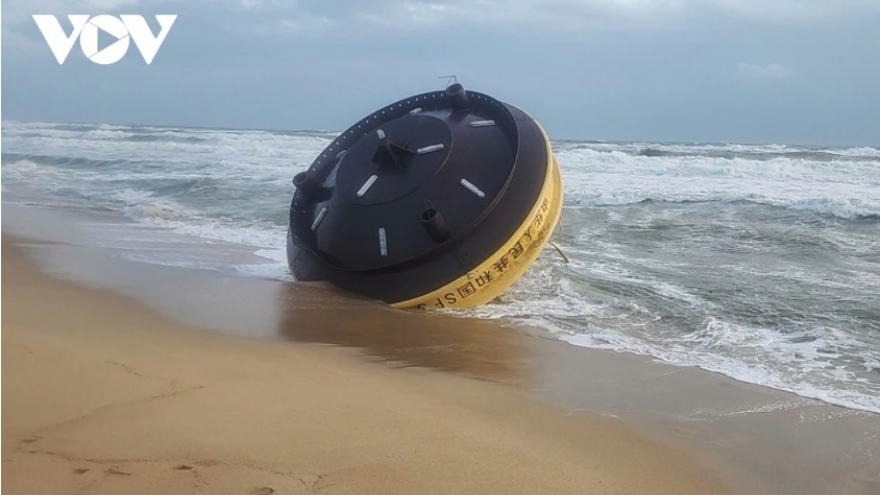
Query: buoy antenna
450	80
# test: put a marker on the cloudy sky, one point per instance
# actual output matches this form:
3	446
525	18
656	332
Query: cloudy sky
785	71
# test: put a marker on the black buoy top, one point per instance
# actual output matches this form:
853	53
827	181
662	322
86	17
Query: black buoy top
406	181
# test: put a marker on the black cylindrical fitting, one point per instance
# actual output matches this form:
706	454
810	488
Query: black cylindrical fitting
436	226
459	96
306	184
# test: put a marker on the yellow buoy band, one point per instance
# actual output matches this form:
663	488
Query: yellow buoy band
495	275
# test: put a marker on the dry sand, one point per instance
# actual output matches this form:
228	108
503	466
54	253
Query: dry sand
101	395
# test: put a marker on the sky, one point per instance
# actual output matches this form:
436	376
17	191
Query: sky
749	71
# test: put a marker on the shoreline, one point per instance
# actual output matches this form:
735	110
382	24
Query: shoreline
755	439
103	394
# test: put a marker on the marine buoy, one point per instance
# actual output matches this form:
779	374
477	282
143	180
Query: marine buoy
443	199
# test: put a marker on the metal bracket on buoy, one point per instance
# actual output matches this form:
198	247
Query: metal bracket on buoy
559	250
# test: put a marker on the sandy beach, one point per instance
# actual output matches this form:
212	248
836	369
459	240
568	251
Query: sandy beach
103	395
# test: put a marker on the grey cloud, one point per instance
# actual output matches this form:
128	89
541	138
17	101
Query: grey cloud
670	70
571	12
766	71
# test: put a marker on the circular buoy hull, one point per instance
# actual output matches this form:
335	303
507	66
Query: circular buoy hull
469	242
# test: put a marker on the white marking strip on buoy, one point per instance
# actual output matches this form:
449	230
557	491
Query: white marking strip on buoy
367	185
430	149
318	219
380	133
383	242
415	110
472	188
482	123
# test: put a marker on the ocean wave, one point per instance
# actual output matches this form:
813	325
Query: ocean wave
620	162
622	290
261	155
755	152
807	155
152	138
849	190
672	324
17	160
845	208
799	360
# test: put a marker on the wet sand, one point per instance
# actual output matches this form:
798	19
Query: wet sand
264	352
104	395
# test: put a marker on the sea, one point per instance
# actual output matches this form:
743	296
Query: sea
759	262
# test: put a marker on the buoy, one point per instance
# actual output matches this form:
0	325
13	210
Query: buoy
442	199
